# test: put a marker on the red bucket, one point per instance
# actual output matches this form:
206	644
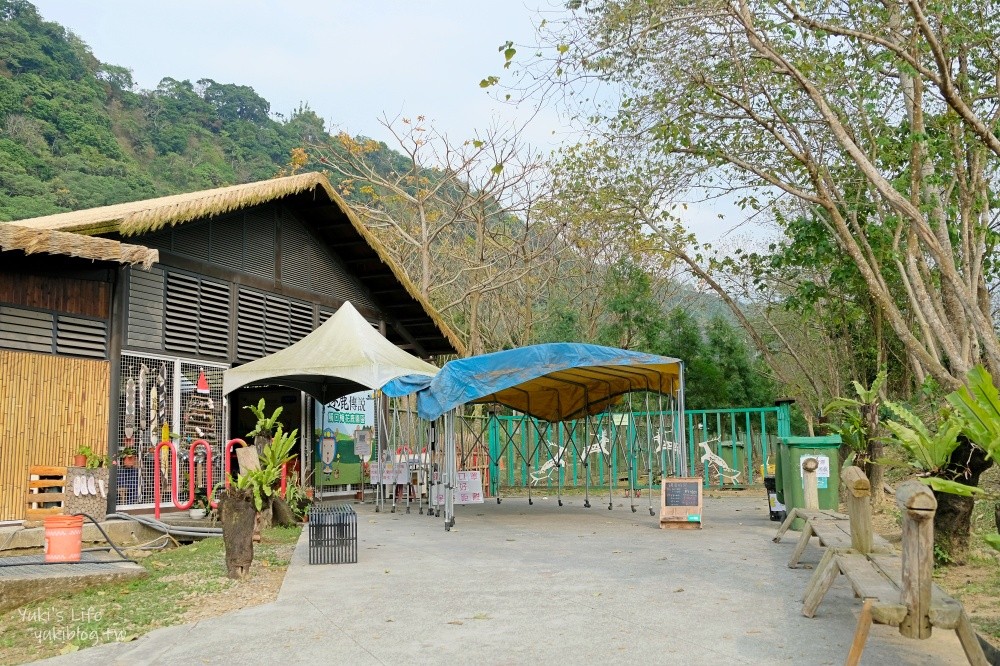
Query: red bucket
63	538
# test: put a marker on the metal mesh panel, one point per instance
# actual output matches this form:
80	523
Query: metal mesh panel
201	417
145	403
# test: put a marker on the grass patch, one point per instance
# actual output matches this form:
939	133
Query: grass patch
180	581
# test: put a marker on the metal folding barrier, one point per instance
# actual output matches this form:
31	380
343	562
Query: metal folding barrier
333	534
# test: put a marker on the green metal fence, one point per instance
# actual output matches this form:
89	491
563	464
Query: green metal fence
728	448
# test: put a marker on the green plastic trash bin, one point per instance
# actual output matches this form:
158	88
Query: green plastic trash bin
793	451
735	455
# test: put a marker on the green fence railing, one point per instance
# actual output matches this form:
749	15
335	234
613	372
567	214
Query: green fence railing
726	447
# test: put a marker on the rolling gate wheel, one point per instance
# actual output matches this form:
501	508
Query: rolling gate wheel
333	534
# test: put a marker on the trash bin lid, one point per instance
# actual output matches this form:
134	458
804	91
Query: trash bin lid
810	442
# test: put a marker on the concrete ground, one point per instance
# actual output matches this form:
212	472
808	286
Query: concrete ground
516	584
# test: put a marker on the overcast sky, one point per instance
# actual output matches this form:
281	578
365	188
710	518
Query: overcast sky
350	61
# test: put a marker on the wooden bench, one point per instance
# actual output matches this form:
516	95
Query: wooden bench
835	530
897	591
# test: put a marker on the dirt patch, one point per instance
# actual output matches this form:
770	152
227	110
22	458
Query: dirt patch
260	587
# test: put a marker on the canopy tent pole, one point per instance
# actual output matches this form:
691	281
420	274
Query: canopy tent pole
436	472
612	432
586	455
631	455
649	454
452	469
680	415
560	451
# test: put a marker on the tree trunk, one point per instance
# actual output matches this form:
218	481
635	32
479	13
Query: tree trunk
260	441
238	517
282	513
873	470
953	520
264	516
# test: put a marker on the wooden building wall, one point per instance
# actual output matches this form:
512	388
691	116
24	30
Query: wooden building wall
90	298
49	407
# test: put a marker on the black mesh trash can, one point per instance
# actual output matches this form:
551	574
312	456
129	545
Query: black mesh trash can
776	508
333	534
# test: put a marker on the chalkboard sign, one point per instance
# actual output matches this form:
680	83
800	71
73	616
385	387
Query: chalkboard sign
683	493
680	502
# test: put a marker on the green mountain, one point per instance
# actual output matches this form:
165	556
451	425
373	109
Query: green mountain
77	133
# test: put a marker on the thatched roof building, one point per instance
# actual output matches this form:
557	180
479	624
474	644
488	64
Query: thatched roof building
117	322
339	225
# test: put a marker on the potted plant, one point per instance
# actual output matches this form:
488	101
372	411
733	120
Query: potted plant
96	460
83	454
127	456
201	506
86	457
297	500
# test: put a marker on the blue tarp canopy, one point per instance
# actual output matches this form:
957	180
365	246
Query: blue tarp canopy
552	382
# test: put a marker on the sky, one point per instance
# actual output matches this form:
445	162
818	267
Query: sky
352	62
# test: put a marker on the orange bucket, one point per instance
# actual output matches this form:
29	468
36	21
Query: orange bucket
63	538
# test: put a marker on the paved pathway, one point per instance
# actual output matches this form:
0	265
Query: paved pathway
518	584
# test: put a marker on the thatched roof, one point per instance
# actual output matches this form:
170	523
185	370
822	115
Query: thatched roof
28	240
312	189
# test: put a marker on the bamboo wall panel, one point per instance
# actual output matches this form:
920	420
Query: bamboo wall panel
49	407
89	298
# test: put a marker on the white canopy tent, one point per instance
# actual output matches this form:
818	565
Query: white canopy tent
344	355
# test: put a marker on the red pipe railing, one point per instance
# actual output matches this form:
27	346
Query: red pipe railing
174	490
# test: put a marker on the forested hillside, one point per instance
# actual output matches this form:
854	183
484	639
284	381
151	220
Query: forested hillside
473	223
76	132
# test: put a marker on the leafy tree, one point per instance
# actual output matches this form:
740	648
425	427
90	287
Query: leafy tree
875	122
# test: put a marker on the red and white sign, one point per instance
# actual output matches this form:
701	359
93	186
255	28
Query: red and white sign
468	489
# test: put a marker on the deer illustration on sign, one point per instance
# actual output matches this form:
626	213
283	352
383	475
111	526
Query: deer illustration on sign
722	468
544	473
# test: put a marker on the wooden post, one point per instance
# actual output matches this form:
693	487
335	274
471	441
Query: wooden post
917	504
859	508
810	484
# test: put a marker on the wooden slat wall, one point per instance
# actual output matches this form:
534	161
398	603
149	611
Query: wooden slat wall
82	297
49	407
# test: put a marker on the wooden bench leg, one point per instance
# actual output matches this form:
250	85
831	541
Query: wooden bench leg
860	634
967	637
824	579
818	573
785	526
800	547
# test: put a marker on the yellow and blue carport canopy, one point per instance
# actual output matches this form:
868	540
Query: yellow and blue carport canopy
552	382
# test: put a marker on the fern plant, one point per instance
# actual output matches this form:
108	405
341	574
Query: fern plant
279	450
931	451
852	428
265	424
259	482
979	403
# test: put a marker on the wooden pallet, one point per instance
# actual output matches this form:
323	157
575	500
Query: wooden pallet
46	494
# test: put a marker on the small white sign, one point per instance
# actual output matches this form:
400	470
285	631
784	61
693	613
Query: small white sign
822	470
468	489
397	473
